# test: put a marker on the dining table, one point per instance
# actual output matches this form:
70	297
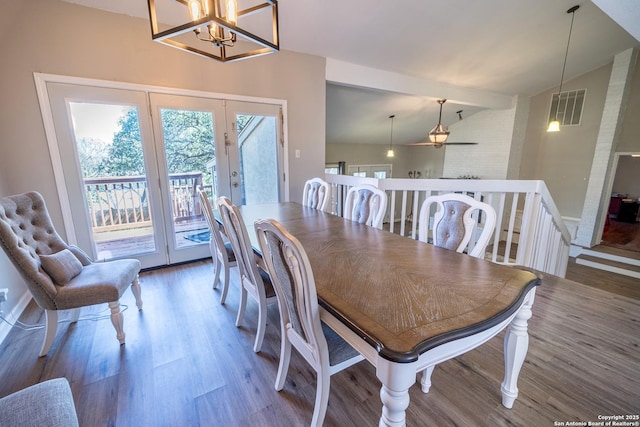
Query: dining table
406	305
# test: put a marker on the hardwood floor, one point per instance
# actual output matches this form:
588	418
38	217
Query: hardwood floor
186	364
622	235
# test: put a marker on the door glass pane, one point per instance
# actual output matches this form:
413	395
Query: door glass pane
190	152
110	155
258	146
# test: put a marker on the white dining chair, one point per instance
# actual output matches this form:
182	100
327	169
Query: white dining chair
316	194
300	324
366	204
253	280
454	224
221	251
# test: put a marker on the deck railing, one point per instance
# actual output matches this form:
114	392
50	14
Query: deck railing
122	202
531	232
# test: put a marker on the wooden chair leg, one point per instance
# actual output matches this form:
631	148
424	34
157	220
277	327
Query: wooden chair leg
285	358
51	321
425	381
262	326
322	398
116	320
137	293
217	269
225	286
243	305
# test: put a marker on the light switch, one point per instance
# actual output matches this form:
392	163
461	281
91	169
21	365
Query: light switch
297	154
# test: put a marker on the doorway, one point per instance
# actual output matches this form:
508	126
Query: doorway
131	159
622	225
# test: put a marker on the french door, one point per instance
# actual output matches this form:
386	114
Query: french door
132	161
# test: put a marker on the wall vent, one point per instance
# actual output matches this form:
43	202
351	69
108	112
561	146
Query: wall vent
568	106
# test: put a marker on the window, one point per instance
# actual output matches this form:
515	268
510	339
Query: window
566	107
371	171
334	168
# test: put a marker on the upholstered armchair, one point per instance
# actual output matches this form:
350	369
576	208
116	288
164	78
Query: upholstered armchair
60	276
49	403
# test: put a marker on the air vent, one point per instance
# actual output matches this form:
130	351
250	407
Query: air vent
566	107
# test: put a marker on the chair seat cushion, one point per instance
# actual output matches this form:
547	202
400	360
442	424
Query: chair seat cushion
268	286
61	266
231	256
339	349
97	283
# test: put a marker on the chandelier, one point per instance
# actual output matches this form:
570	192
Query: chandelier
216	29
439	134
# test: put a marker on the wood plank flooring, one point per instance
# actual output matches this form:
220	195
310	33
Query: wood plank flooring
622	235
186	364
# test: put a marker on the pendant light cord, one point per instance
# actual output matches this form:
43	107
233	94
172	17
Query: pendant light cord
572	11
391	137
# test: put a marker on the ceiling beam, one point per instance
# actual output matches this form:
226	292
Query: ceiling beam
349	74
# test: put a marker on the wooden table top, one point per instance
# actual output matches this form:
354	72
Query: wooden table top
402	296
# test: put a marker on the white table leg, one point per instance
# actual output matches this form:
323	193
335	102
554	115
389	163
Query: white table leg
396	379
516	344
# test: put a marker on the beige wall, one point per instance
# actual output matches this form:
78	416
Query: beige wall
85	42
629	139
50	36
427	160
627	179
563	159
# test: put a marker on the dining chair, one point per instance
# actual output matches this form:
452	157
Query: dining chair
300	324
366	204
454	223
254	281
61	276
453	227
316	194
221	251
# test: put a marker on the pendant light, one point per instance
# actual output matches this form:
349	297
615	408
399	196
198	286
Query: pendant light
216	29
439	133
554	125
390	152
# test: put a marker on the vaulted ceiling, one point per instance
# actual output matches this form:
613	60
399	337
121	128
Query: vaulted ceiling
472	52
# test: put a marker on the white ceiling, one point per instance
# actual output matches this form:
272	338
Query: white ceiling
492	47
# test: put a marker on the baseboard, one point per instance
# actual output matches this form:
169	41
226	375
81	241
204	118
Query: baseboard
609	268
5	328
575	251
611	257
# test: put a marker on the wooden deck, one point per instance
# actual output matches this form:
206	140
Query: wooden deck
116	244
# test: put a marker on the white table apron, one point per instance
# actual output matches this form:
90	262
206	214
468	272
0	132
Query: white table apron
397	378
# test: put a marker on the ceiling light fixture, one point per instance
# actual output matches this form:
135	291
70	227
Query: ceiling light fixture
209	30
439	133
554	125
390	152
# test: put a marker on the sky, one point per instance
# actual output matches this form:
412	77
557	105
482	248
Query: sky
97	121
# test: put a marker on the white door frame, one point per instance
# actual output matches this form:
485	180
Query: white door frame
41	80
